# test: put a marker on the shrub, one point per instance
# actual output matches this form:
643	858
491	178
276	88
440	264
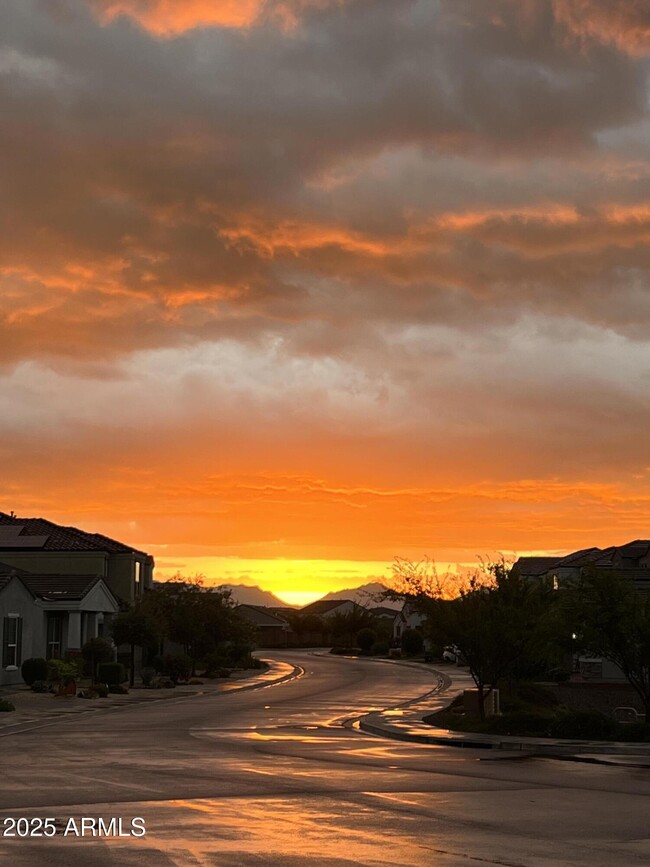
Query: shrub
40	686
34	669
639	732
61	670
583	724
147	674
559	675
6	706
158	664
99	689
111	673
118	689
238	652
251	662
412	642
178	666
213	662
525	723
95	651
365	639
380	648
345	651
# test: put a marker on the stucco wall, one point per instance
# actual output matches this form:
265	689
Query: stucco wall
15	599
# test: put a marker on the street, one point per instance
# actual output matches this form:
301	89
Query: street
278	776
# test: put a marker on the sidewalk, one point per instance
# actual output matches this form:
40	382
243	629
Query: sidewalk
39	708
406	723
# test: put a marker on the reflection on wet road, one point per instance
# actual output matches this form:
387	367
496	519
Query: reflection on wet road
278	776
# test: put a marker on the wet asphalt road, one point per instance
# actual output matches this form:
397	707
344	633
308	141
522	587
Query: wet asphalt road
275	776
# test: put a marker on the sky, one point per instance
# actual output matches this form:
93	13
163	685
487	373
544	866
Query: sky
289	288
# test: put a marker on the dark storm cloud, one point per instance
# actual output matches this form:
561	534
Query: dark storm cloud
321	216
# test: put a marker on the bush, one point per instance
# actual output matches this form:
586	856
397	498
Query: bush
251	662
96	689
380	648
6	706
178	666
40	686
525	723
34	669
95	651
118	689
61	670
559	675
238	652
365	639
111	673
345	651
147	674
412	642
213	662
638	732
584	724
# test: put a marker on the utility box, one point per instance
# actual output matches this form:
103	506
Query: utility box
491	706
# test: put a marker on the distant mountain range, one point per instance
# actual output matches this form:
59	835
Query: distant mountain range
244	595
366	595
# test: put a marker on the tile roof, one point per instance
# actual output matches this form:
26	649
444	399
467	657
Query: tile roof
9	571
53	588
322	606
581	558
17	533
383	611
260	616
536	566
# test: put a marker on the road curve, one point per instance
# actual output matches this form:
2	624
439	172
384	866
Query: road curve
274	777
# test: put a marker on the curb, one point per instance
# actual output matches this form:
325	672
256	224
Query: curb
410	726
44	721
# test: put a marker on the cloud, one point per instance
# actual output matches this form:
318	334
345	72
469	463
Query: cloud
624	25
387	260
167	18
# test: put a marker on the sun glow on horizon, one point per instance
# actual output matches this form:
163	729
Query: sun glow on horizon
298	597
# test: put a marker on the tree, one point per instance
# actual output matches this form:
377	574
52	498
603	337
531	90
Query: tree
502	624
365	639
412	642
136	628
196	616
345	625
97	650
611	619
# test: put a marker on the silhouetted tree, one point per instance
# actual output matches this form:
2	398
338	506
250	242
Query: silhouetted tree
502	624
611	619
136	628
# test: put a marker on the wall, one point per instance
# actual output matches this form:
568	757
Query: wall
15	599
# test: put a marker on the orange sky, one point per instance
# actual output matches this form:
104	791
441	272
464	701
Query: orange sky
290	288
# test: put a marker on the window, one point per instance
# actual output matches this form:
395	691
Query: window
54	633
12	641
138	578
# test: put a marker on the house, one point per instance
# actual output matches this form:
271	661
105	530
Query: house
383	613
270	629
407	618
48	616
44	548
631	559
326	608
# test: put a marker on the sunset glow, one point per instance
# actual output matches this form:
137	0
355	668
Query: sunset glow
291	288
